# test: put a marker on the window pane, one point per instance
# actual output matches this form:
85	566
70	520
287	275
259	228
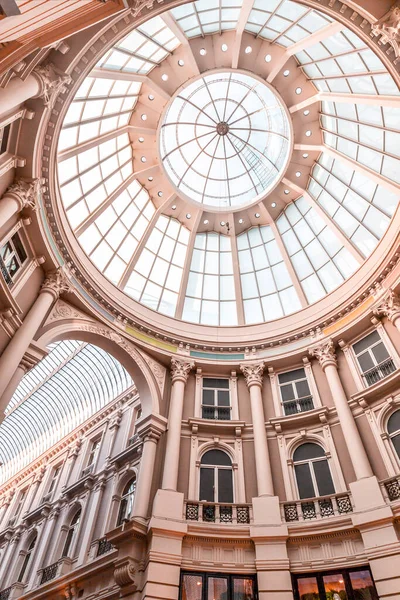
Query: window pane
192	587
363	586
223	398
207	485
215	383
380	352
292	375
225	485
396	444
307	451
304	481
323	477
365	361
217	588
334	587
302	389
370	339
308	588
243	589
287	392
208	397
394	422
216	457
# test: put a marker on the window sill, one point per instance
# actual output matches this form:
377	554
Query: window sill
316	415
215	425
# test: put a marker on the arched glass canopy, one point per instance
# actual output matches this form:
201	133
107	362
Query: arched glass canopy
201	193
68	386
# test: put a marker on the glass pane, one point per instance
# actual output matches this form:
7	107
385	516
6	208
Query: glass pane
308	588
225	485
192	587
323	477
380	353
396	444
363	586
208	397
302	389
216	457
334	587
207	485
243	589
365	361
304	481
216	383
370	339
287	392
223	398
394	422
217	588
307	451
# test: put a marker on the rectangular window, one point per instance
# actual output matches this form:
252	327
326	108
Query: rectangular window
213	586
12	258
216	403
373	358
19	503
4	136
91	461
295	392
53	480
346	584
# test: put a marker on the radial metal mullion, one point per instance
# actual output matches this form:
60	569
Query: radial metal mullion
198	20
272	14
362	144
332	56
186	266
236	273
292	24
95	119
99	162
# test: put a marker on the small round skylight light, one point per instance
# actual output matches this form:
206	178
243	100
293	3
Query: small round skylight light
248	50
203	51
268	58
225	140
224	47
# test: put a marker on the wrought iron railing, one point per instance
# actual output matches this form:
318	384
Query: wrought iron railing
104	547
49	573
5	594
212	512
317	508
220	413
292	407
392	488
379	372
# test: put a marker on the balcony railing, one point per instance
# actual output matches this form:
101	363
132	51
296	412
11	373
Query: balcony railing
49	573
379	372
5	594
212	512
104	547
392	488
292	407
219	413
317	508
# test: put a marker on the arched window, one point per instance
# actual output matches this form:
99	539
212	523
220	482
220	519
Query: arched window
216	481
128	495
27	559
393	428
312	471
71	533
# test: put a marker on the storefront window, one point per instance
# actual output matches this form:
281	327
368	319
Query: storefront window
346	584
211	586
334	586
362	585
308	588
191	587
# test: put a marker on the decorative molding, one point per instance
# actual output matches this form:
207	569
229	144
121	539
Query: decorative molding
53	82
25	192
124	573
180	369
388	27
253	373
159	371
390	306
56	283
139	5
62	310
324	353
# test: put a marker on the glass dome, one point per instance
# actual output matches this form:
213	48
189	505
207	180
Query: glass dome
231	179
225	140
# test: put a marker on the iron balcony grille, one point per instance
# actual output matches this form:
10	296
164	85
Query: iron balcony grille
5	594
218	413
104	547
293	407
379	372
217	513
393	489
49	573
317	508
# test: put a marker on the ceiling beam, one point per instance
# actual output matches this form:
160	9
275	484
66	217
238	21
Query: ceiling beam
177	31
245	11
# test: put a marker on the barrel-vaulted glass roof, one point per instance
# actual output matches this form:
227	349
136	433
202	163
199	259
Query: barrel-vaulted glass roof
219	221
70	384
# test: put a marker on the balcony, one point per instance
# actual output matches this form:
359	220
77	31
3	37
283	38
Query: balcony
384	369
213	512
299	405
391	488
218	413
104	546
49	573
317	508
5	594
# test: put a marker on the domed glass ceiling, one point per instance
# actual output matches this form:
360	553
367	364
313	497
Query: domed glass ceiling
225	140
172	160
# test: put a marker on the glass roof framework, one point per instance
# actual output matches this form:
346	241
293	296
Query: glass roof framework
225	140
70	384
115	218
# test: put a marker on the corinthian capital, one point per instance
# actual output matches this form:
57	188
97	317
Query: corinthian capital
389	307
324	353
180	369
56	283
25	192
139	5
388	27
253	373
52	81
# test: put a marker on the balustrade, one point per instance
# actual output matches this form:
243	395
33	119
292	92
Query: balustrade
49	573
5	594
391	488
317	508
104	546
213	512
379	372
292	407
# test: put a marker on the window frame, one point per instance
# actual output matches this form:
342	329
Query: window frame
205	576
74	527
215	469
216	406
296	399
233	395
122	516
26	559
12	280
318	575
384	339
310	461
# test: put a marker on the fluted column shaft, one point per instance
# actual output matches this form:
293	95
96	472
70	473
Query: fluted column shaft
326	356
18	345
143	488
254	380
179	373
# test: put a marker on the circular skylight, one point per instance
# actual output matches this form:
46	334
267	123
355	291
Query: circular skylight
225	140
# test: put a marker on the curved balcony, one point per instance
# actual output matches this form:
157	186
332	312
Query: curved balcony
317	508
215	512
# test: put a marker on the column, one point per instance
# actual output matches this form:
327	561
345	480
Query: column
92	516
8	558
19	195
12	386
150	431
390	308
180	370
43	545
45	80
325	353
52	287
253	374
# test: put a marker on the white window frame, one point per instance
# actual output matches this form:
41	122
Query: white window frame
215	469
276	391
384	338
313	477
233	395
